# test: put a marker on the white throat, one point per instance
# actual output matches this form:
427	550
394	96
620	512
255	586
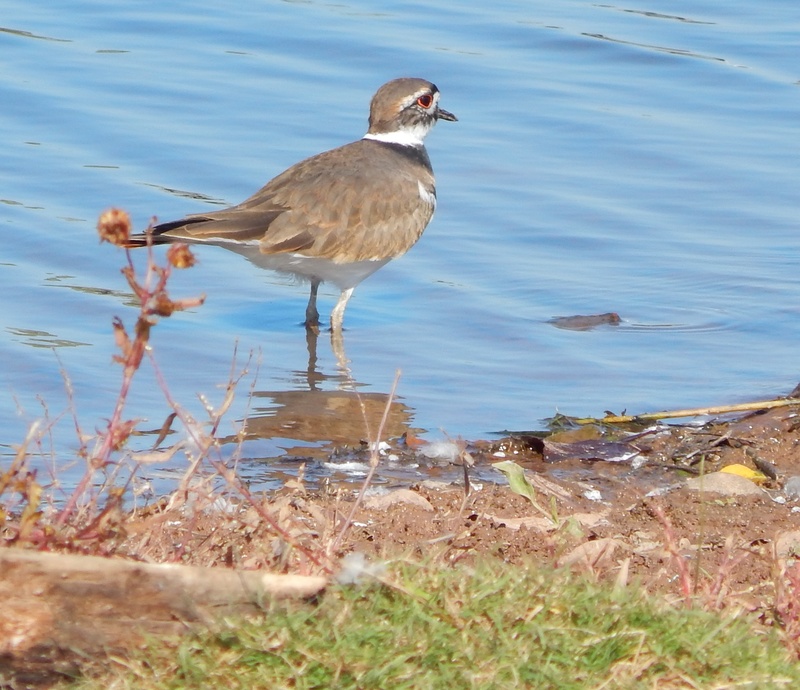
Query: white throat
411	136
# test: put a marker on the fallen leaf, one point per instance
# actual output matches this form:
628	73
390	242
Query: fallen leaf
516	479
591	553
746	472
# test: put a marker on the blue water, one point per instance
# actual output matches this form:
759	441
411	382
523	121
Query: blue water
642	159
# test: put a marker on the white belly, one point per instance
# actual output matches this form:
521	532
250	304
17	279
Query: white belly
342	275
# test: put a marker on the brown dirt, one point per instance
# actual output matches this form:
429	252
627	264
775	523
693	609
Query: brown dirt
644	516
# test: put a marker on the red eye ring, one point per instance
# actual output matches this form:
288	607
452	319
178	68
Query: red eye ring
425	101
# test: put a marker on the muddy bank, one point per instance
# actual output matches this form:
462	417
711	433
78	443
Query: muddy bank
638	516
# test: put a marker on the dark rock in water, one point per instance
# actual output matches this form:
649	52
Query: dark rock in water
586	323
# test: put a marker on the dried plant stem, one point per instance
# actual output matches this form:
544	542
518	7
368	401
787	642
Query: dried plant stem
153	303
204	442
20	458
691	412
687	586
374	459
132	355
238	486
101	458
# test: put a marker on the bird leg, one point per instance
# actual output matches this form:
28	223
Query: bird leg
312	315
337	315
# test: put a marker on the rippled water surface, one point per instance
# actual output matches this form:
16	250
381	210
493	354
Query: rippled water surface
641	159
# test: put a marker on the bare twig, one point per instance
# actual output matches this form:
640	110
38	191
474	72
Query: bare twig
687	586
691	412
374	459
154	302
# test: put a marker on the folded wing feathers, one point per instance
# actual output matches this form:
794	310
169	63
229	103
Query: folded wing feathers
323	206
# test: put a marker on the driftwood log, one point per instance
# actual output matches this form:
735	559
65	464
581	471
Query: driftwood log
56	609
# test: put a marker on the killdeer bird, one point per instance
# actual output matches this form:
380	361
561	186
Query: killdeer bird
340	215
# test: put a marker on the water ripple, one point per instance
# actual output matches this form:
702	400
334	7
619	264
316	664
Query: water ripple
660	49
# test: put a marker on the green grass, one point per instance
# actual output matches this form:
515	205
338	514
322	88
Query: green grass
495	627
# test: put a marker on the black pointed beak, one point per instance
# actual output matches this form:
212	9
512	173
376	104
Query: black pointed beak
443	114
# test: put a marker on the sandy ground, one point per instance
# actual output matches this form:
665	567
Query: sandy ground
626	519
